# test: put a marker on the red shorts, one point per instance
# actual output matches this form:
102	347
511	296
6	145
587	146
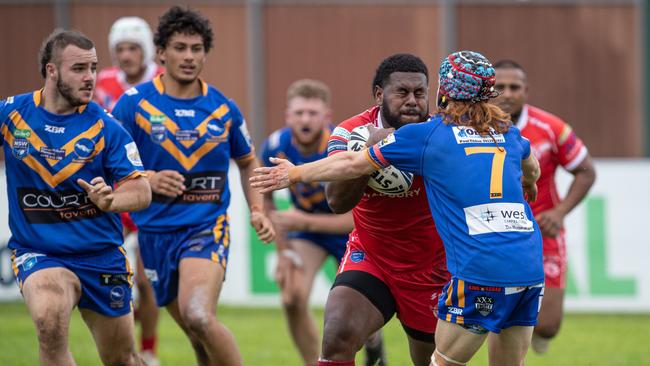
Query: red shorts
555	261
415	293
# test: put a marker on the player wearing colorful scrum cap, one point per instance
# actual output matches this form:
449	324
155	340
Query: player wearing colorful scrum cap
131	44
555	145
477	171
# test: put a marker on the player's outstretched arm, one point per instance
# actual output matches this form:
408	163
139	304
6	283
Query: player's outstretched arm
342	166
531	173
297	220
131	195
259	219
343	196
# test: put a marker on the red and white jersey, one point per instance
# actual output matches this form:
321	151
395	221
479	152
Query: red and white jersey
554	144
111	84
397	231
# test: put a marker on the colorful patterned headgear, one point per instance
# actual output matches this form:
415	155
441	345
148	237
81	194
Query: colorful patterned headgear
467	75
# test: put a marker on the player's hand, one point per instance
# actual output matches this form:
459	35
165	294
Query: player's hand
269	179
377	134
169	183
100	193
289	220
530	192
550	222
289	263
263	226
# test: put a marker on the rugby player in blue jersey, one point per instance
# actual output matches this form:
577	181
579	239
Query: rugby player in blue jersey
478	173
188	132
63	154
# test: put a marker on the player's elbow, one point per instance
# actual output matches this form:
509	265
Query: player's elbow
143	191
335	201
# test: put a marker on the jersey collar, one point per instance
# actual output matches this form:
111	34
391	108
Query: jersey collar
37	96
158	84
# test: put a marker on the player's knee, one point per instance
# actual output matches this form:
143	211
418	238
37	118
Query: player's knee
197	321
126	358
51	329
295	303
341	337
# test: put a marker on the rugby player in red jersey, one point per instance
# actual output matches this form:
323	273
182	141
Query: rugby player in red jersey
555	145
395	261
131	45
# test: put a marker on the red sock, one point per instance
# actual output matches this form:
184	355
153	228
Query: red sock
148	344
335	363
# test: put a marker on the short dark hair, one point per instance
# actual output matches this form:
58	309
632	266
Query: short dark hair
401	62
508	64
59	40
186	21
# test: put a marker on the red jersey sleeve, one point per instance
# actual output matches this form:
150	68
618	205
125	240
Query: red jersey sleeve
571	151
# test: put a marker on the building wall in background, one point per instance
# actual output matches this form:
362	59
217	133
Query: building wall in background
584	61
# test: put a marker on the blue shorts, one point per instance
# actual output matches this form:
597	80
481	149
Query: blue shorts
162	253
105	276
333	244
490	307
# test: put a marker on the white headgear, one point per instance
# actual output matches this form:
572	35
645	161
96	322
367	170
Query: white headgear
132	29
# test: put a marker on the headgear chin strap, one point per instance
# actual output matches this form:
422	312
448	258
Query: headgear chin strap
468	76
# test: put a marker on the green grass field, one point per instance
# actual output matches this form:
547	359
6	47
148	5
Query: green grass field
263	340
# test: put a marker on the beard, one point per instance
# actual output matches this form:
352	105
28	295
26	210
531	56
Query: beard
393	119
66	91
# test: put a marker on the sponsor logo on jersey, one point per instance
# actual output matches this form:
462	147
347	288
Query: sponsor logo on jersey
22	134
117	295
357	256
184	113
216	130
54	129
455	311
84	148
467	135
158	129
20	148
484	304
132	91
151	274
485	288
187	135
114	279
497	217
52	153
28	260
133	154
244	131
52	207
341	133
202	187
388	140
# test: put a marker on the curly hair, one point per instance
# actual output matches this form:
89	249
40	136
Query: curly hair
400	62
481	116
185	21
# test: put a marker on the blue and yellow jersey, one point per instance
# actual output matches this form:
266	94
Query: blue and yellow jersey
308	197
45	154
196	137
473	185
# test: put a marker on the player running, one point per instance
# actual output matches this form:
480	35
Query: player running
131	45
188	132
394	263
472	161
554	144
63	155
310	232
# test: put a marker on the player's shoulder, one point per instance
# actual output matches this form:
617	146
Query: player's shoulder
16	102
541	118
363	118
279	139
141	91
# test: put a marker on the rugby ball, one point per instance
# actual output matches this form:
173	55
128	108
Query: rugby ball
390	181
